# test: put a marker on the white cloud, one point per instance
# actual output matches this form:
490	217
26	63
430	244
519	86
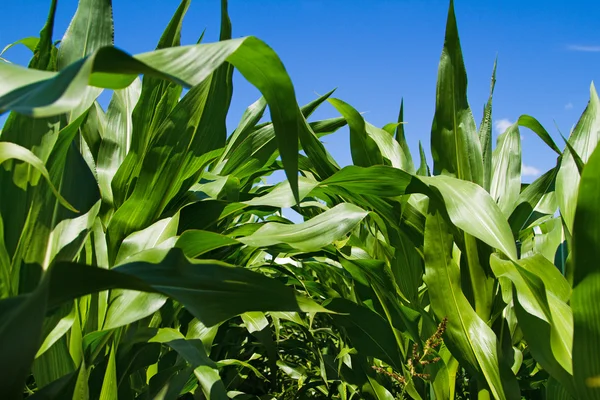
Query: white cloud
528	170
568	106
589	49
502	125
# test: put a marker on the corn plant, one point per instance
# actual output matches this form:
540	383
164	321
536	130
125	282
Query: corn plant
142	256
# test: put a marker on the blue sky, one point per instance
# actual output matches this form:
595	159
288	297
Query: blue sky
377	51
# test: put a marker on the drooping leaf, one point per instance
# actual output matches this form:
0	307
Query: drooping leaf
324	229
471	209
12	151
528	121
212	291
114	69
365	152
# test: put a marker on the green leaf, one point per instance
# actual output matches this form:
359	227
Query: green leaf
30	42
21	321
471	209
53	364
211	291
423	167
469	339
540	295
13	151
583	139
537	128
194	243
485	134
529	198
115	69
401	139
381	181
157	100
128	306
248	122
255	321
90	29
578	161
177	153
365	378
109	384
369	333
117	137
60	324
505	185
255	147
364	150
52	232
324	229
148	238
281	195
556	391
45	53
205	369
586	282
455	146
197	330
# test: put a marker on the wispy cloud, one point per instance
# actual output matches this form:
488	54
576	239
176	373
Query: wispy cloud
568	106
528	170
589	49
502	125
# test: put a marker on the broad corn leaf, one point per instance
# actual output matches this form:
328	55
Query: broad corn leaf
541	308
586	283
584	140
455	145
322	230
365	152
506	177
116	70
470	340
472	209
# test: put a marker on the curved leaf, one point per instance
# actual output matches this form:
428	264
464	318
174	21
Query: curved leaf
13	151
43	94
211	291
543	314
313	234
364	150
472	209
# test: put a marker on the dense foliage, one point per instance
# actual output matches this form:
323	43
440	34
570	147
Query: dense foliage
143	257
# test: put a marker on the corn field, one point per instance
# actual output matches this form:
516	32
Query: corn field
142	256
